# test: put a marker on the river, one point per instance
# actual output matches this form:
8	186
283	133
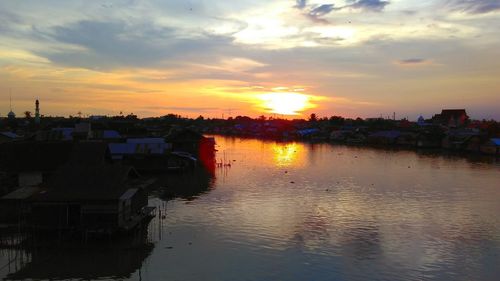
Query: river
298	211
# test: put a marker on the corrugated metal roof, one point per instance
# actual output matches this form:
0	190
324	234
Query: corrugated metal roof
496	141
34	156
122	148
111	134
21	193
133	148
305	132
129	193
9	135
184	155
146	140
77	183
66	132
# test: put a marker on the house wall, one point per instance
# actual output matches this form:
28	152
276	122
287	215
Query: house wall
55	215
100	214
131	207
48	215
139	200
124	211
10	211
191	147
30	179
490	149
4	139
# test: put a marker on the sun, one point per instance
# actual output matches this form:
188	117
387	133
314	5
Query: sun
285	103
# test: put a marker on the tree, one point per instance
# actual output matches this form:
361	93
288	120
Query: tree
27	114
337	120
313	117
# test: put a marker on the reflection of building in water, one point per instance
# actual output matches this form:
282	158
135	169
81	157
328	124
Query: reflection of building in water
362	242
187	185
96	261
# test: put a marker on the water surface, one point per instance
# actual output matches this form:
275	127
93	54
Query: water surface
295	211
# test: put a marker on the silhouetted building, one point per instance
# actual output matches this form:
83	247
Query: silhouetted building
189	141
103	198
82	131
451	117
32	162
11	115
37	112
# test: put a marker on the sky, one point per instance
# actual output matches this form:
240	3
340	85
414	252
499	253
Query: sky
354	58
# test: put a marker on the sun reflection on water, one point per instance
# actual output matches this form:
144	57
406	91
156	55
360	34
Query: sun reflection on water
287	154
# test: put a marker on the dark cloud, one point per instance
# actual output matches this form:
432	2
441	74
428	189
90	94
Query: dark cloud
367	5
301	4
413	61
410	12
10	23
114	44
321	10
314	12
474	6
183	108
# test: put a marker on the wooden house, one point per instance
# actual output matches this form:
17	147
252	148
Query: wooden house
196	144
103	198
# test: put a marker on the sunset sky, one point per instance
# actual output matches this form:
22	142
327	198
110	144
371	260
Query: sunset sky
340	57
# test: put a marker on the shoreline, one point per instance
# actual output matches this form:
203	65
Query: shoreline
470	155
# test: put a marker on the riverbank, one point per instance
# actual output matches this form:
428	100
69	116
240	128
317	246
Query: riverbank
454	153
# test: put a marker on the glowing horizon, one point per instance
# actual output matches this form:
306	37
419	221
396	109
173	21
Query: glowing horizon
348	57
